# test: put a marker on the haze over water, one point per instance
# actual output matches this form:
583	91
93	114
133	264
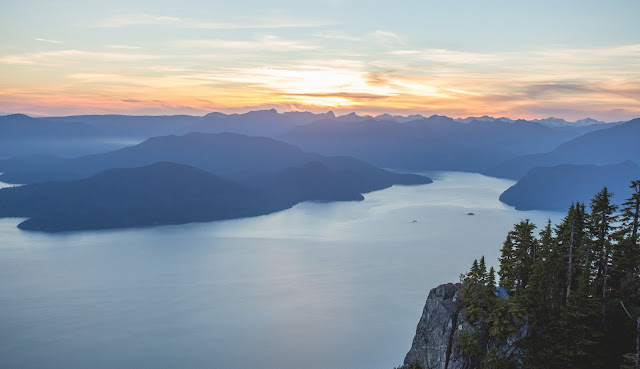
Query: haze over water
321	285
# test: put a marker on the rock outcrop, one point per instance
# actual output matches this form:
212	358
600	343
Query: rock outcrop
443	321
433	344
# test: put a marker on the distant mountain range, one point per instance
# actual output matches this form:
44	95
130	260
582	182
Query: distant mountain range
226	154
218	143
268	123
434	143
549	122
609	146
231	155
86	134
232	175
21	134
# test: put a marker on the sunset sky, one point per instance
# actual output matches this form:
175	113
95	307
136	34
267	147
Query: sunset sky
534	59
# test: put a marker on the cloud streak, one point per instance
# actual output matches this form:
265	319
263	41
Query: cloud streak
123	47
269	42
144	19
126	20
49	41
447	56
336	36
387	37
71	56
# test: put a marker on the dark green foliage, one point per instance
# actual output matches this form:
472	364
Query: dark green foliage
569	286
631	361
601	227
490	285
626	251
478	291
469	345
518	256
495	361
505	317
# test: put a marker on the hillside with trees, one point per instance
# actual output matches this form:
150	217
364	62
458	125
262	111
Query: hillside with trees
568	296
575	284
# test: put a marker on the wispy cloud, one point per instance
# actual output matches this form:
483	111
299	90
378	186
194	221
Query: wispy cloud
71	55
388	37
126	20
593	53
404	52
584	89
447	56
269	42
272	22
336	36
249	25
49	41
124	47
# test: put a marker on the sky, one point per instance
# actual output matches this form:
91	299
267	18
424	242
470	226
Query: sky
533	59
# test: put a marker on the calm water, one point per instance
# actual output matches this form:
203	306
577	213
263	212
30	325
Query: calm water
338	285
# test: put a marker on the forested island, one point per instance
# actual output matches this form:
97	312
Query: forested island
568	297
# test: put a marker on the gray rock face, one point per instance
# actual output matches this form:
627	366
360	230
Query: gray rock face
434	343
443	320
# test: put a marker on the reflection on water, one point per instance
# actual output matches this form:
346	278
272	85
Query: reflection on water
339	285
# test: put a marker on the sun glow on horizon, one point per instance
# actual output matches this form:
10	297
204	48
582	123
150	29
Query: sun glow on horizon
176	63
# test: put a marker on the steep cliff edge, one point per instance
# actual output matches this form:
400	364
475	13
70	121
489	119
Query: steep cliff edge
446	340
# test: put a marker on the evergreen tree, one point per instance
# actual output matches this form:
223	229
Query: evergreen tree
518	254
541	295
602	219
508	265
625	259
631	211
577	286
472	293
482	271
478	291
623	303
490	287
571	251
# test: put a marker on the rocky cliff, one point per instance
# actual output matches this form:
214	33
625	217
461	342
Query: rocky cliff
440	337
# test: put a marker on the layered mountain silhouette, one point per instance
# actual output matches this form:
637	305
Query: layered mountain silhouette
256	123
608	146
289	172
233	175
555	188
235	156
21	134
86	134
267	123
224	154
434	143
131	126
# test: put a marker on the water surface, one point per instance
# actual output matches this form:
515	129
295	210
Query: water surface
338	285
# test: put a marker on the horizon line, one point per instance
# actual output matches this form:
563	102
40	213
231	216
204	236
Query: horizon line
350	112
